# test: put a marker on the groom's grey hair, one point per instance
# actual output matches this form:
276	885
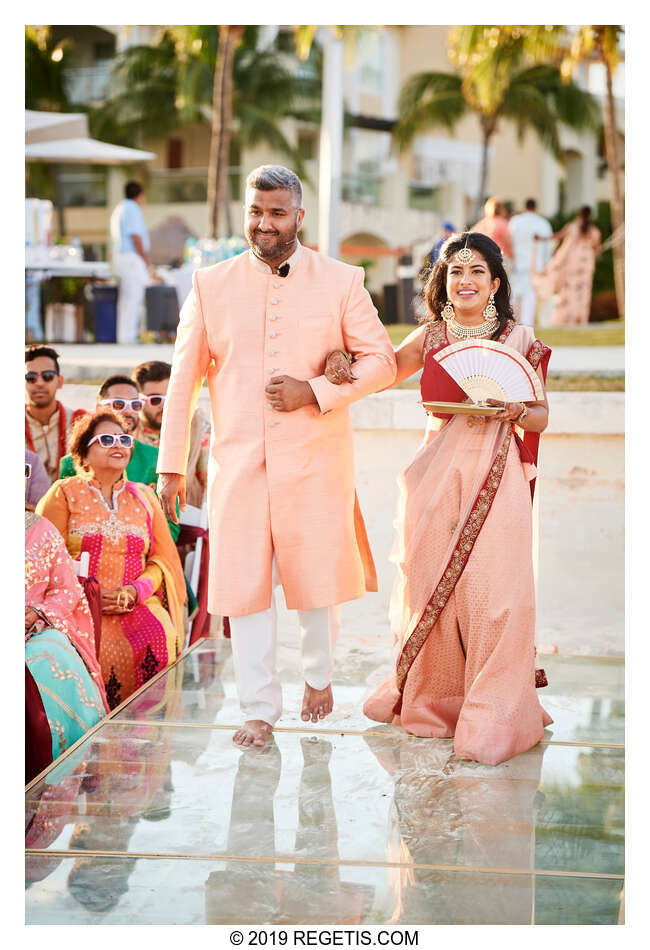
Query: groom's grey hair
270	177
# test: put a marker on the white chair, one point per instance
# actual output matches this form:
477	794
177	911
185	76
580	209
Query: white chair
196	518
82	566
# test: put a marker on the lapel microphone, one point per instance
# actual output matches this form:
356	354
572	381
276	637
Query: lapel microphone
283	270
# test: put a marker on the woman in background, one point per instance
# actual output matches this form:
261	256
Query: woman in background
570	272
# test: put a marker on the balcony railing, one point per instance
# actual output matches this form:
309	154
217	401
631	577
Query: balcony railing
88	83
183	185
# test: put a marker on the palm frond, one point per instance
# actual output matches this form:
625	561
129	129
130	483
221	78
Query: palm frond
428	100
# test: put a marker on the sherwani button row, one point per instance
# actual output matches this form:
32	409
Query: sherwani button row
276	284
274	301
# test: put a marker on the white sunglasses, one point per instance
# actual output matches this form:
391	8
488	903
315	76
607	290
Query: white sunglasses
107	440
135	405
154	400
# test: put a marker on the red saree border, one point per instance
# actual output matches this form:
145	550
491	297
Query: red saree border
456	563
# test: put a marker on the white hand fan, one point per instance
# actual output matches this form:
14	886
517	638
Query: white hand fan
485	369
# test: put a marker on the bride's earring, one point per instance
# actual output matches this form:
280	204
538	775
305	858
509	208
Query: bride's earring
490	311
448	312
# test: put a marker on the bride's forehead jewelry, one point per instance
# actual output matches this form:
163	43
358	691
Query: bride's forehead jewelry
465	255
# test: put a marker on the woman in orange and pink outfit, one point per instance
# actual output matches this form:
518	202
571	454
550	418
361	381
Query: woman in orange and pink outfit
132	555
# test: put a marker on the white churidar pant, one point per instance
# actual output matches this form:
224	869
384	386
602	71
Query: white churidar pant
134	279
254	647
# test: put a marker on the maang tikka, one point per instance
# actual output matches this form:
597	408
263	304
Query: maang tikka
465	255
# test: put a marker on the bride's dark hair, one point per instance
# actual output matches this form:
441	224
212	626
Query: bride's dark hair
435	289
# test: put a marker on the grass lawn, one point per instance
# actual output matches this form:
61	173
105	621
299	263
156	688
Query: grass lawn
609	334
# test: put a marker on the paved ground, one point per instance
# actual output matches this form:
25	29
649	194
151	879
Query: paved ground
98	360
156	818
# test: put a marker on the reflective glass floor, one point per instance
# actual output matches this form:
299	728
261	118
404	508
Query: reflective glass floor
156	817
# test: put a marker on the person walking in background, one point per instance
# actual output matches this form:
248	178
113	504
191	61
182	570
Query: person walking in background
152	380
529	255
47	421
131	260
282	502
570	273
132	555
494	224
446	232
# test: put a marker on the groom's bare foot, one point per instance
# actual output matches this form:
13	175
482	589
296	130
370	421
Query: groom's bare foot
316	703
253	732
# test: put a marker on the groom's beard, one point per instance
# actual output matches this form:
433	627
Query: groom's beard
271	246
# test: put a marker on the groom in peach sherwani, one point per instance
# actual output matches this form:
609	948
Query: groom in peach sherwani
281	497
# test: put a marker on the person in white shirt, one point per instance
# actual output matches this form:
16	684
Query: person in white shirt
528	255
131	260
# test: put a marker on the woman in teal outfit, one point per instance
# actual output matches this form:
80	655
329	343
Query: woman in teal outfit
60	653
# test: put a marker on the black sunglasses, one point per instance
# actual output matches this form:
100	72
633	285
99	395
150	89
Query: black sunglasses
47	376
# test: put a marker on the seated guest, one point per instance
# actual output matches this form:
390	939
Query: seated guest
152	380
120	394
37	481
64	689
132	554
47	421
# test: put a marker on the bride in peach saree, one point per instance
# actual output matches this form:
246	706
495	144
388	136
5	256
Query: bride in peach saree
463	605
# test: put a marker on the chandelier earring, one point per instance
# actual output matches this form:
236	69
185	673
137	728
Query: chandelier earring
490	311
448	313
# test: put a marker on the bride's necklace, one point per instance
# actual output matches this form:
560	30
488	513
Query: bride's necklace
485	329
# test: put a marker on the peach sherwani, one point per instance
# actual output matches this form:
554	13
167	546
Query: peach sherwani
278	482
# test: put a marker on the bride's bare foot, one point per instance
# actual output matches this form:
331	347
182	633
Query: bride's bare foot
253	732
316	703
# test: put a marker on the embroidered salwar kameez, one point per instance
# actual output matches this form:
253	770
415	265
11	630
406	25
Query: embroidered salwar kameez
60	645
463	608
129	543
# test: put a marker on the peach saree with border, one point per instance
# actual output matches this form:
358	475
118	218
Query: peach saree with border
463	606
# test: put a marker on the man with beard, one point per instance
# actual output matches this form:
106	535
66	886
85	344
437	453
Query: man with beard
281	498
152	380
47	421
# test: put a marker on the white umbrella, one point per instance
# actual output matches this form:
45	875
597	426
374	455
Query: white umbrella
84	151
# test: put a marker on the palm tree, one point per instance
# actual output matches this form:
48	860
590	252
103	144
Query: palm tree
255	87
229	39
215	75
496	80
602	44
44	70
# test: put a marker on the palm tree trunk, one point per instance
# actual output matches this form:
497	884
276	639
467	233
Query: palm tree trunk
618	213
487	131
58	199
229	37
